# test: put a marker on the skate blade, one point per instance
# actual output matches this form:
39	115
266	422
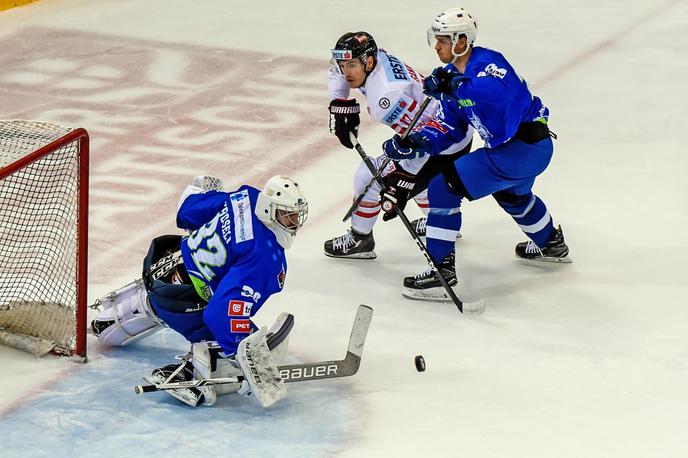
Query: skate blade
539	261
368	255
429	295
440	295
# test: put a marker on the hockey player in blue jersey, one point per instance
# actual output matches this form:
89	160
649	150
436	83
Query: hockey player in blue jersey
480	87
209	284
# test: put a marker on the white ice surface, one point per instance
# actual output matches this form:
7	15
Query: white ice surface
588	359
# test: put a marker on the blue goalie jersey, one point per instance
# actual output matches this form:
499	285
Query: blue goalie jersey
232	258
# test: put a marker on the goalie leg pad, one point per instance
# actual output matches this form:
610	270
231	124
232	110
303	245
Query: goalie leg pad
125	316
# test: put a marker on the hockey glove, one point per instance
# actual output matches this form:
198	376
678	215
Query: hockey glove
398	185
443	82
344	119
412	147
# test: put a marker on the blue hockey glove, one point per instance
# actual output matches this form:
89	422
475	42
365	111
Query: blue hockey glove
442	83
411	147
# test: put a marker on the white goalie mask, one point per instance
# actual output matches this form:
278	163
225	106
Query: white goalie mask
283	208
453	23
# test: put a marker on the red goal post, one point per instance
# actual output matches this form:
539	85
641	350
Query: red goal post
43	237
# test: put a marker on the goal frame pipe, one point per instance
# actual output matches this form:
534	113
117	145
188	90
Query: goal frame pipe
82	137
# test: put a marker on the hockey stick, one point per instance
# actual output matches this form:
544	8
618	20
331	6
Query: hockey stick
296	372
474	307
378	173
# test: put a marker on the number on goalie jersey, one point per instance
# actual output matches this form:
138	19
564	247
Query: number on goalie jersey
208	285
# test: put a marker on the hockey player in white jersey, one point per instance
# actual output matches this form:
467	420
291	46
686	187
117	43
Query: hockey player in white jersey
394	94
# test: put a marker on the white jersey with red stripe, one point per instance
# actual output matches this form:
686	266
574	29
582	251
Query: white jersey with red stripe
394	93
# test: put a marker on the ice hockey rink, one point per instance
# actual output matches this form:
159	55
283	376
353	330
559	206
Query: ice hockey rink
582	360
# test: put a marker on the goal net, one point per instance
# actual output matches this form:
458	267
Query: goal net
43	237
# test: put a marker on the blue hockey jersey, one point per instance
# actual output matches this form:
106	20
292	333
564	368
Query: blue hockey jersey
493	98
232	258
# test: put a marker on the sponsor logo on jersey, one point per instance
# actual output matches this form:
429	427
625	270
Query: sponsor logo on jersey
384	103
247	291
243	221
395	112
239	308
493	70
280	278
435	125
241	326
485	134
413	73
395	69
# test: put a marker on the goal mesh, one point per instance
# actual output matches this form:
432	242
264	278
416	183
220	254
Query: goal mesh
43	237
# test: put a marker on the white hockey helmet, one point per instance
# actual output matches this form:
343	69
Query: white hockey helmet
283	208
454	22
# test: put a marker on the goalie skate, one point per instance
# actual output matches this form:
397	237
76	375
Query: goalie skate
177	373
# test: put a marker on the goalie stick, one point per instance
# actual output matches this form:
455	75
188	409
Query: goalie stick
296	372
473	307
377	174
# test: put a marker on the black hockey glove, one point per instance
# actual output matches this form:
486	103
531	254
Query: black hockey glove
398	186
344	119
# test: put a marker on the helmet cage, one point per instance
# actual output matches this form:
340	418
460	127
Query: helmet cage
295	215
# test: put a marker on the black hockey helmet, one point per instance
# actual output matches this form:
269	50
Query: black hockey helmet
354	45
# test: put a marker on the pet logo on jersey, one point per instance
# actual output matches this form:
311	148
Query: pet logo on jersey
241	326
239	308
493	70
247	291
384	103
280	278
243	221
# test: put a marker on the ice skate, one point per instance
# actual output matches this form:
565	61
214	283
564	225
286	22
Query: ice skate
351	245
556	250
426	286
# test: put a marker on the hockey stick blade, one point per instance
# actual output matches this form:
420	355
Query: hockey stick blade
334	369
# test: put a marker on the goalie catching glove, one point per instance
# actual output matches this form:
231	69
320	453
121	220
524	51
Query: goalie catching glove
398	185
345	119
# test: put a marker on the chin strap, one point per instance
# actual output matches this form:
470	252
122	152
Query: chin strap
456	56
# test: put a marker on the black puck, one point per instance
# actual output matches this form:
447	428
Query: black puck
420	363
